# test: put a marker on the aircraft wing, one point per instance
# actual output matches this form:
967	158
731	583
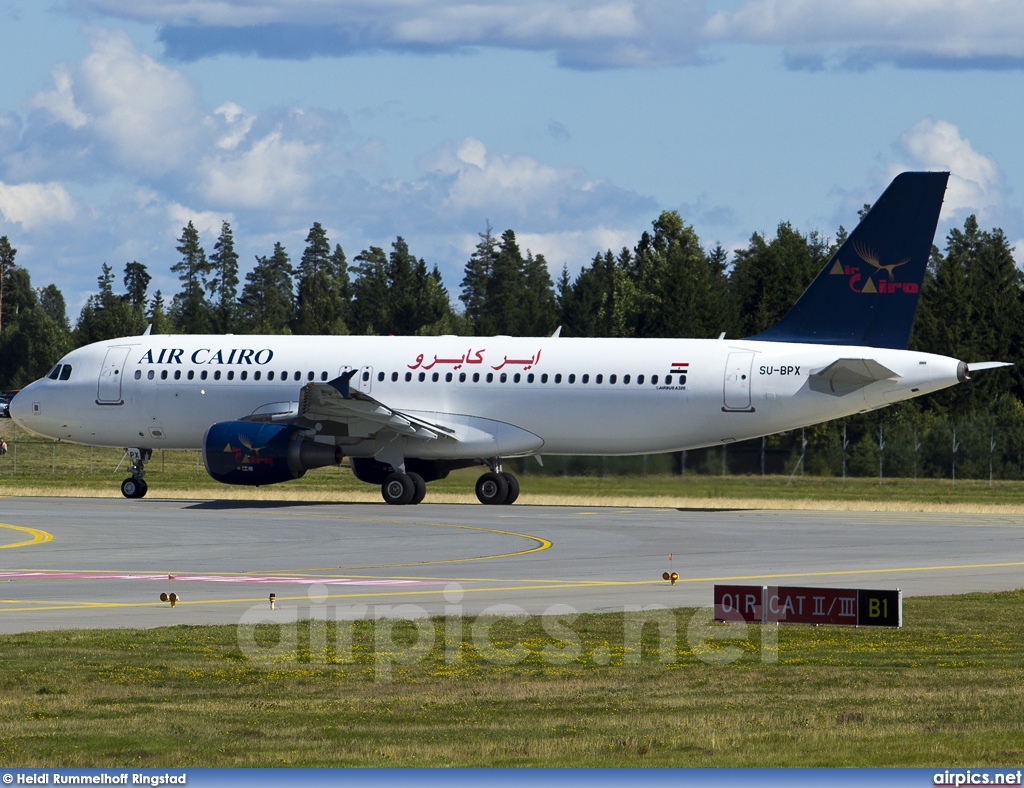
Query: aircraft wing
846	375
336	403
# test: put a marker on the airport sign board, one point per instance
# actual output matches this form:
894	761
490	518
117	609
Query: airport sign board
805	605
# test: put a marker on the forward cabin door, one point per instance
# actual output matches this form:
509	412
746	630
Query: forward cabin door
109	390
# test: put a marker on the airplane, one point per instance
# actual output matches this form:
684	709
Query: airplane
406	411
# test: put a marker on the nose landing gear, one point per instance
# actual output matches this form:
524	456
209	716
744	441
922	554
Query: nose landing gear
135	486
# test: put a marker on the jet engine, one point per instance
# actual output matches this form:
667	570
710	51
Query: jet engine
245	452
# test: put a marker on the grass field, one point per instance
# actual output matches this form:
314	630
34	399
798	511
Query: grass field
40	467
946	689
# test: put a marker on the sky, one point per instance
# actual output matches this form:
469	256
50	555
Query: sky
572	123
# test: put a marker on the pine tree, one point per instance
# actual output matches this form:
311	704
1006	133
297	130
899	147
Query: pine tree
157	315
319	305
477	275
190	309
223	282
267	304
7	268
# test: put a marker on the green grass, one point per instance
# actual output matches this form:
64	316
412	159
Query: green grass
948	688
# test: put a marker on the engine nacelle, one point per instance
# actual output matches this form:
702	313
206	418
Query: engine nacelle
251	453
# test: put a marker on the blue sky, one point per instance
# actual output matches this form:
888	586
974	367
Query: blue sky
573	123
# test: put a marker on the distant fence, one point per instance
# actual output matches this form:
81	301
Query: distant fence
831	450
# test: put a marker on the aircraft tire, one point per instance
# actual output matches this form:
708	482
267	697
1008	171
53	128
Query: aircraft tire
131	488
491	489
398	489
143	489
513	488
419	488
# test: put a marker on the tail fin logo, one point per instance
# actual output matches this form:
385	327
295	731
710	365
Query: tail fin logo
882	286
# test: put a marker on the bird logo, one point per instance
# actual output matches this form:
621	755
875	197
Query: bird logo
866	254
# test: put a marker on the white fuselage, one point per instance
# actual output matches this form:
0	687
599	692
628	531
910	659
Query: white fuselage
561	396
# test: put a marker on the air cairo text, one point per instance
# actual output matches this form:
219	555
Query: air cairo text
205	355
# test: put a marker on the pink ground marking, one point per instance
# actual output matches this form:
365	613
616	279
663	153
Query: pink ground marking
329	581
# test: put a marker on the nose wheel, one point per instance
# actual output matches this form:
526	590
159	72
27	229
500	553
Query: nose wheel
135	486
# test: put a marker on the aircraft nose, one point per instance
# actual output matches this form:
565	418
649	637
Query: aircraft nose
20	409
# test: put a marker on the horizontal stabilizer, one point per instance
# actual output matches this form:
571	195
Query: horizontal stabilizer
849	374
978	366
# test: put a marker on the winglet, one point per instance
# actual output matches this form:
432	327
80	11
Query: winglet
341	383
867	292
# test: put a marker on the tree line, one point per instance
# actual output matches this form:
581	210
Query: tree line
667	285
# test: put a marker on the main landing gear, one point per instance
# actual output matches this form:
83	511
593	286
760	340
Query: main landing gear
403	488
135	486
496	487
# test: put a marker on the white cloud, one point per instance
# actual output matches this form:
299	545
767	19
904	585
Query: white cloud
147	113
975	183
273	172
34	205
576	247
915	32
238	123
208	223
60	102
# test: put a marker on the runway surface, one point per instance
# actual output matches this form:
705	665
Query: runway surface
67	562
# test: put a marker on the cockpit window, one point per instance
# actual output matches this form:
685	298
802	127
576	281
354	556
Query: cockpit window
53	373
65	373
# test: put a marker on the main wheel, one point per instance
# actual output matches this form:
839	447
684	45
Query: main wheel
513	488
143	489
131	488
419	487
397	489
491	488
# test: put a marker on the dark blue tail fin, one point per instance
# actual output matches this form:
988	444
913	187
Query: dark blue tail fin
867	293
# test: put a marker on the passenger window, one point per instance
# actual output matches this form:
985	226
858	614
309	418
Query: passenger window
231	374
163	374
255	375
448	378
586	379
611	379
544	378
216	374
476	377
150	375
529	378
490	377
598	378
65	373
408	376
309	375
668	380
654	380
380	377
270	375
462	377
244	375
192	374
558	378
323	376
434	377
366	376
516	378
625	379
572	378
138	374
504	377
394	377
203	375
422	376
639	380
177	374
298	375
